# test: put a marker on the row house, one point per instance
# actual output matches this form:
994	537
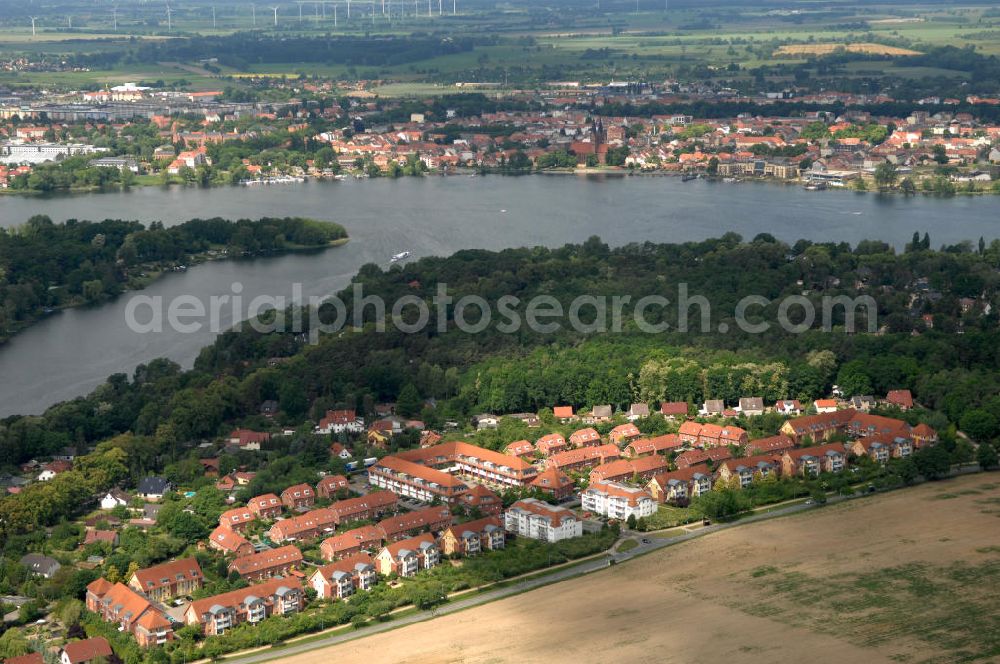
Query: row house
364	508
348	543
472	537
331	485
238	519
552	443
583	457
864	425
267	564
479	498
520	448
345	577
623	434
434	519
829	458
229	542
771	444
698	457
218	614
821	426
472	460
412	480
407	557
535	519
554	482
617	501
624	470
133	613
267	506
680	486
298	497
168	580
585	438
658	445
714	435
307	526
748	468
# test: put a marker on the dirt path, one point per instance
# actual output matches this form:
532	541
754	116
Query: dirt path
780	590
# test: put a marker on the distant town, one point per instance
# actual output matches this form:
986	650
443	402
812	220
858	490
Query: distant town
131	134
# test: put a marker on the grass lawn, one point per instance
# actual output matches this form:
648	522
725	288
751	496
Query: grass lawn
668	516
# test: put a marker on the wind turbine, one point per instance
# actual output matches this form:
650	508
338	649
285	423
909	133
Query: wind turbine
300	11
33	19
439	7
253	14
69	20
454	7
213	18
428	8
275	10
114	15
348	10
169	23
334	15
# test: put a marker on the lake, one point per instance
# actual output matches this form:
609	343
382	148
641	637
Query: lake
72	351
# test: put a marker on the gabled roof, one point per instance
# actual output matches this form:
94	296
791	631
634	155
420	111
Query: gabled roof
265	560
88	649
156	486
354	563
234	598
228	540
476	527
158	576
413	545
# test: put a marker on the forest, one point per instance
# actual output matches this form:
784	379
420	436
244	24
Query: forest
44	265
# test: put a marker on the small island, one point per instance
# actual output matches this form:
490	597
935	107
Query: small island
46	266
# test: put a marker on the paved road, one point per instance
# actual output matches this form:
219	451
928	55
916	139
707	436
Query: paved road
586	567
593	565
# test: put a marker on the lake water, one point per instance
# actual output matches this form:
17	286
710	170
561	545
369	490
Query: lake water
71	352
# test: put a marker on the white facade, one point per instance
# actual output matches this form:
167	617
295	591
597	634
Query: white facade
537	520
617	501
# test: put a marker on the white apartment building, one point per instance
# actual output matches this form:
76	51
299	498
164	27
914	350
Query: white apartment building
617	501
538	520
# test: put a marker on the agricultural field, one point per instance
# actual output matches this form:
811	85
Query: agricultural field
827	49
911	576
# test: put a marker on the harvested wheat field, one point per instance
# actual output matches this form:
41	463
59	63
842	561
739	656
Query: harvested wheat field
826	49
910	576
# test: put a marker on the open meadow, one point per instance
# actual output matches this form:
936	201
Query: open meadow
911	576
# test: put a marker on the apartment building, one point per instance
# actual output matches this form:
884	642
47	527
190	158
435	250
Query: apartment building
267	564
413	480
829	458
298	497
220	613
583	457
350	542
746	468
310	525
617	501
554	482
407	557
472	537
364	508
224	540
267	506
680	486
624	470
331	485
238	519
587	437
658	445
345	577
535	519
133	613
401	526
474	461
163	582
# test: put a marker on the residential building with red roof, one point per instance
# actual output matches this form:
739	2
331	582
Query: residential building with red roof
30	658
267	564
771	444
345	577
623	433
900	398
229	542
132	612
480	499
167	580
825	405
582	457
519	448
563	413
308	526
550	444
340	421
554	482
413	480
407	557
351	542
471	460
680	486
535	519
617	501
658	445
220	613
626	470
298	497
331	485
748	468
87	650
364	508
472	537
267	506
238	519
248	439
811	461
434	519
698	457
587	437
674	409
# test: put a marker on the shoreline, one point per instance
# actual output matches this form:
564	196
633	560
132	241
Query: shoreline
613	172
153	275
